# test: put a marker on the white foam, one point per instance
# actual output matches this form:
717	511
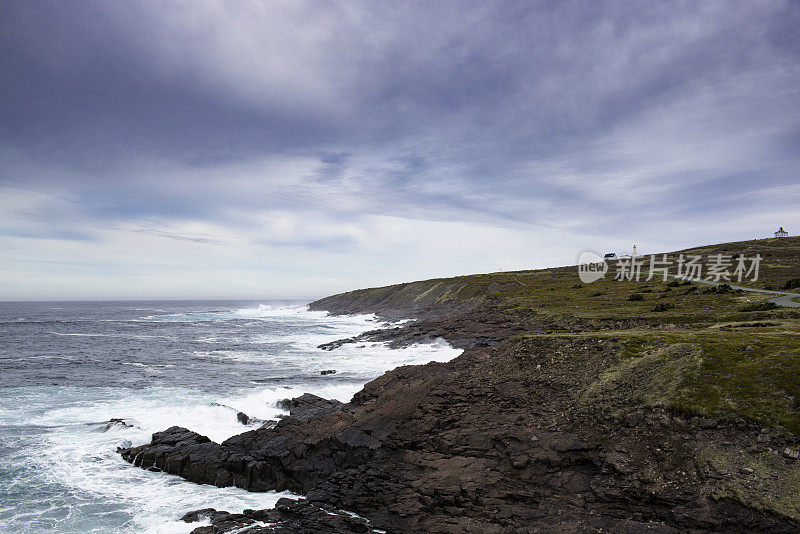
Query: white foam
81	458
295	314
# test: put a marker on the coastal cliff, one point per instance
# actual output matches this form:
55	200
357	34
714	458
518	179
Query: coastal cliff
572	409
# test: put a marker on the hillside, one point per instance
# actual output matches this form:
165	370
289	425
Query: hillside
780	264
723	324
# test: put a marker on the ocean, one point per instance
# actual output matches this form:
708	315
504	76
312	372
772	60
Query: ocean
68	368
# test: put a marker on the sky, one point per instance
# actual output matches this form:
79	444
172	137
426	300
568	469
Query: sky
248	149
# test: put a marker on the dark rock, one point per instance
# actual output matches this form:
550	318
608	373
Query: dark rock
288	517
197	515
336	344
708	423
243	418
328	372
633	419
112	423
308	406
493	441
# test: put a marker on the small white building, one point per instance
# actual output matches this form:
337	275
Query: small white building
781	232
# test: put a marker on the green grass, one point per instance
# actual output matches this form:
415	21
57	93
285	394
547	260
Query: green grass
752	372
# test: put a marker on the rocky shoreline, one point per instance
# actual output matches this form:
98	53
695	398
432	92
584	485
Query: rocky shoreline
289	516
507	437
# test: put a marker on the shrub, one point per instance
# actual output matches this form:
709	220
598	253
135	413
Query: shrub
636	297
758	306
791	284
663	306
720	289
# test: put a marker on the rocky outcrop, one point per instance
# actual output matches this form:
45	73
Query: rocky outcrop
308	406
290	456
495	441
473	328
111	424
287	517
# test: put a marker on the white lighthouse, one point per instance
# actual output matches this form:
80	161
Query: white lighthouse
634	253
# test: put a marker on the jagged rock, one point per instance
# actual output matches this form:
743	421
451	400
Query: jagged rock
289	456
337	343
289	516
197	515
328	372
247	420
112	423
308	406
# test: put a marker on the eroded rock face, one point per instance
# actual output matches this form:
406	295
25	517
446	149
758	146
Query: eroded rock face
489	443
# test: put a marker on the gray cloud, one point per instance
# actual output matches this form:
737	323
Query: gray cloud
610	118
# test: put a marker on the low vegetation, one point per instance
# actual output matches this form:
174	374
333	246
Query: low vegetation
701	349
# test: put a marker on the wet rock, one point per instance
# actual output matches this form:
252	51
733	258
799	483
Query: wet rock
247	420
113	423
198	515
328	372
336	344
287	517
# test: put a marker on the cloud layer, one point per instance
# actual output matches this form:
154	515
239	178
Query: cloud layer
254	149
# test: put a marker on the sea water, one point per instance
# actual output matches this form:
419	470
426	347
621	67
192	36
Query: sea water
67	369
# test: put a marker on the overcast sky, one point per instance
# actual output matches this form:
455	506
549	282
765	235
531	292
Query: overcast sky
296	149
